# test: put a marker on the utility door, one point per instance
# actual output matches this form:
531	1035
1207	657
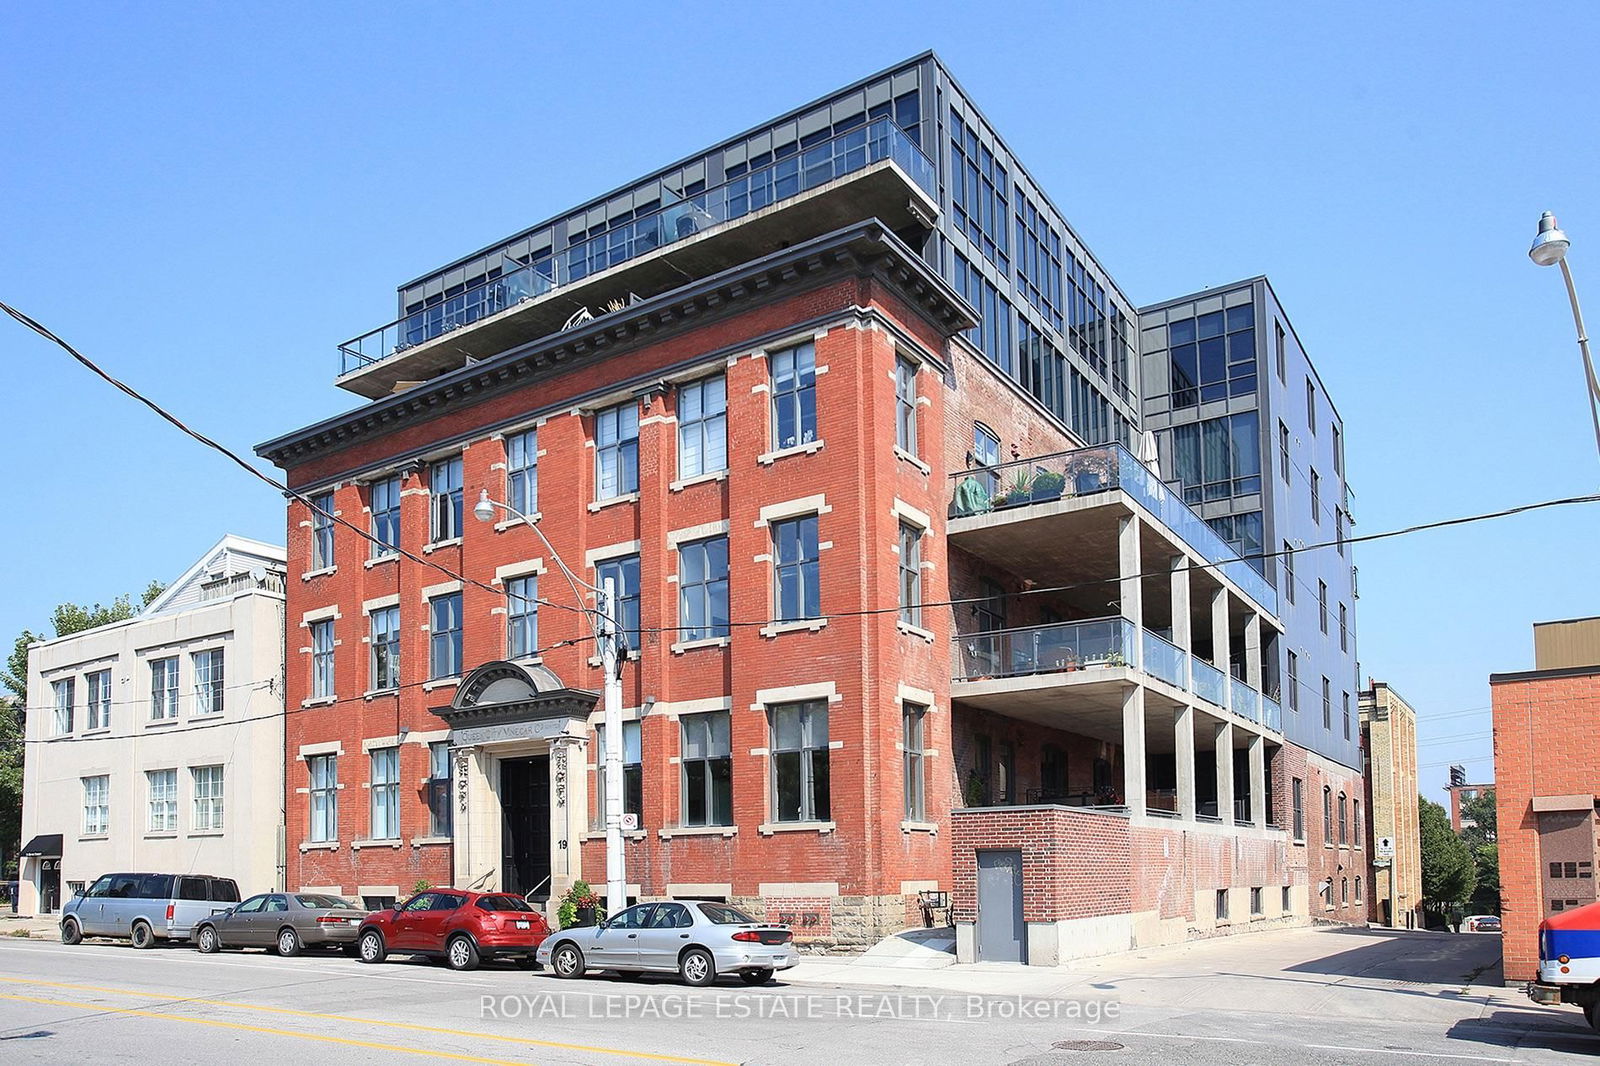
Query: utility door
1001	935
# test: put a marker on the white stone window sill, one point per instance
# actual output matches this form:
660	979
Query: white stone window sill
167	835
212	717
387	557
95	836
812	624
319	572
914	631
698	479
600	505
388	842
600	834
205	832
905	456
319	845
423	842
766	829
698	831
501	527
157	723
920	827
320	701
374	693
768	458
448	542
691	645
103	731
441	682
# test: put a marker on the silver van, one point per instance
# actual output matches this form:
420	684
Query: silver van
144	908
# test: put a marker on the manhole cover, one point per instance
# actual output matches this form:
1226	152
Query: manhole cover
1086	1045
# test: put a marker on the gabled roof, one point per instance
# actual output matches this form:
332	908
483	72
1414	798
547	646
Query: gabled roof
230	555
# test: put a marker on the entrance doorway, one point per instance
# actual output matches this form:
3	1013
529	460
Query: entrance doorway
49	885
525	816
1001	934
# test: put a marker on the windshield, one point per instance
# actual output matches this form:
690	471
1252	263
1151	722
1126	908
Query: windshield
504	903
722	914
314	900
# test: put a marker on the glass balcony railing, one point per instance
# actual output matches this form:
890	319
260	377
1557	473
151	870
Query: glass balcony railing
806	169
1210	684
1102	468
1056	648
1165	660
1064	647
1246	701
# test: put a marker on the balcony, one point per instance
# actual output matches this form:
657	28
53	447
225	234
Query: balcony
871	171
993	508
1097	657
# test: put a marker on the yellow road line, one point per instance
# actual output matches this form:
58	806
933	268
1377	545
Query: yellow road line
263	1029
410	1026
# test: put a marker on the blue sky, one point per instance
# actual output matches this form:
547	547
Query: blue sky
207	199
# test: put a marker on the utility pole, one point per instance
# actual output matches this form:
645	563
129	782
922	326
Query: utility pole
610	662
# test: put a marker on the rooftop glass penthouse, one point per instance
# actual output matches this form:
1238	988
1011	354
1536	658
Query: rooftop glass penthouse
906	146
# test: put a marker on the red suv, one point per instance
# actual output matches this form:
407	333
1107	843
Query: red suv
458	926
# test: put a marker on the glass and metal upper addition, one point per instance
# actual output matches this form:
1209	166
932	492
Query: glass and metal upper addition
679	220
1103	468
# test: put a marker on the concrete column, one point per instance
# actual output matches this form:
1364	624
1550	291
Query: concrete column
1183	735
1133	769
1260	798
1225	772
1180	603
1252	651
1221	649
1132	591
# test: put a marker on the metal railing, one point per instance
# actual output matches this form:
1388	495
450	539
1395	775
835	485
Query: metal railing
1087	471
806	169
1054	648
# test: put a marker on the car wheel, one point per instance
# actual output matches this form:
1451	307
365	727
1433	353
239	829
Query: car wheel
697	968
288	942
567	961
756	977
461	953
70	933
205	940
370	947
142	935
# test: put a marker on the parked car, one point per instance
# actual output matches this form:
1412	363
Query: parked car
1481	923
144	908
696	940
288	922
459	926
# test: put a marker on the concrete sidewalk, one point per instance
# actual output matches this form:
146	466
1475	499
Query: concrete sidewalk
45	928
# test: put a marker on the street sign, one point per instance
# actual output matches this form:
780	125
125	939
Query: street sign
630	822
1385	848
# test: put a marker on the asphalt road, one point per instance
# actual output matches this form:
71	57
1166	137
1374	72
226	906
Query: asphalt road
1325	1000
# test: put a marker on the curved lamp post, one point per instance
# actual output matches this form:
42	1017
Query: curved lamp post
603	620
1549	249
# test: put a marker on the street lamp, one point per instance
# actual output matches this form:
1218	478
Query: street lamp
603	621
1550	248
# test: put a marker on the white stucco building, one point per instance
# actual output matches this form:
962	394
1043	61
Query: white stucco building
155	744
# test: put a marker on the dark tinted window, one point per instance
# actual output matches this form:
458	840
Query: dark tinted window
193	888
155	886
101	887
377	903
445	901
123	886
503	903
722	914
224	890
315	901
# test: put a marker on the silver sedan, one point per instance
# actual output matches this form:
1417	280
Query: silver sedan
285	921
696	940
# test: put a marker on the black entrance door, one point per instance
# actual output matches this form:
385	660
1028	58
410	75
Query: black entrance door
50	886
525	807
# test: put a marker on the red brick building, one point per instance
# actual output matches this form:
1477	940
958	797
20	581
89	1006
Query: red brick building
1547	786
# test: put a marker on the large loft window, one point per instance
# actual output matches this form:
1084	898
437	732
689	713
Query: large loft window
1243	534
1213	356
1039	261
1218	458
979	187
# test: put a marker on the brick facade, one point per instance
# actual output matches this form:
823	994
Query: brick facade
1547	780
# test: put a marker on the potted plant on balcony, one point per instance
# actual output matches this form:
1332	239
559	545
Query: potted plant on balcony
580	906
1016	490
1048	485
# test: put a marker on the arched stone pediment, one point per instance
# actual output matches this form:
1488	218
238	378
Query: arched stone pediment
502	700
502	682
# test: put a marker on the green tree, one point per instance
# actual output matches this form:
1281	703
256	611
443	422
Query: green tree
1486	895
1480	811
66	619
1449	873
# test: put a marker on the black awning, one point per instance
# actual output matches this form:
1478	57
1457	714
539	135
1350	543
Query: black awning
46	845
